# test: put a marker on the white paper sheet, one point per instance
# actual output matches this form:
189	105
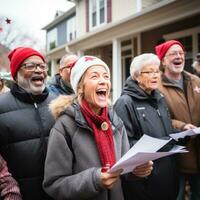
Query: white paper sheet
183	134
143	151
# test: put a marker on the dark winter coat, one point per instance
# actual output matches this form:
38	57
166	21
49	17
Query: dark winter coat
148	114
72	167
25	123
57	86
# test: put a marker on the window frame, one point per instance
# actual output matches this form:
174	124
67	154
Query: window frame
193	32
52	34
98	24
71	22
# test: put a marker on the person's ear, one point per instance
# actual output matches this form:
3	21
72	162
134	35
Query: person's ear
163	62
136	78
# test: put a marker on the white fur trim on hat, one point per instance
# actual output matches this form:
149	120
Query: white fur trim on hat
81	66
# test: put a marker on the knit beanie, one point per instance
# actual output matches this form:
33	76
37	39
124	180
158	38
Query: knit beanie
18	55
81	66
161	49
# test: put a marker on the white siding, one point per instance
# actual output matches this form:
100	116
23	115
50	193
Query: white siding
80	19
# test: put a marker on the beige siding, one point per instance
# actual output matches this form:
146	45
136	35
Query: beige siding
147	3
123	8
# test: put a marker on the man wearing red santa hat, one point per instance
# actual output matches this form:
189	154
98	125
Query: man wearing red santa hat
182	92
25	121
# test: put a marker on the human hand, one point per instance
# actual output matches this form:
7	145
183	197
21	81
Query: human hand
189	126
109	179
143	170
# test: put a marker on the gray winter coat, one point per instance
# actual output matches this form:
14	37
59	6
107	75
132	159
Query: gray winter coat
72	167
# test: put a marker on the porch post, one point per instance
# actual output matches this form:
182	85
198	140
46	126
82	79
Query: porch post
80	53
53	67
116	70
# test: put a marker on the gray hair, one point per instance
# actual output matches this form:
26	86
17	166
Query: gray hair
141	61
68	57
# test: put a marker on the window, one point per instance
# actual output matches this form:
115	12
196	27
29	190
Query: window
52	39
129	49
97	12
190	39
71	29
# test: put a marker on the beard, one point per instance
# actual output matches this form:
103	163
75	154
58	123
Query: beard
28	86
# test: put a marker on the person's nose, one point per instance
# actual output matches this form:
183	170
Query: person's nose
38	69
102	80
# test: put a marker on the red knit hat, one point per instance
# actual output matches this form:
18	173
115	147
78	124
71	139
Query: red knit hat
18	55
161	49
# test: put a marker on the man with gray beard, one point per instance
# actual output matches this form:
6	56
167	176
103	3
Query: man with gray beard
25	121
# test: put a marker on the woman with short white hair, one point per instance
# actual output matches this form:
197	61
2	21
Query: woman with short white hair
143	110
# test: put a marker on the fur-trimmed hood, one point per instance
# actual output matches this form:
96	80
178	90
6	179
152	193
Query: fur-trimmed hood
60	104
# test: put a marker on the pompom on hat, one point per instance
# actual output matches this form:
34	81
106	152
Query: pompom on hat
162	49
81	66
18	55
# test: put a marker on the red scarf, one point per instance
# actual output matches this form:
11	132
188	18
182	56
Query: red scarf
102	133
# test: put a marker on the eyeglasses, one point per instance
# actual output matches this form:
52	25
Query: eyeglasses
33	66
69	66
176	53
150	73
65	67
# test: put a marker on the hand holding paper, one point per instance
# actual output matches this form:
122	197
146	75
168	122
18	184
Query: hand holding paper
183	134
142	152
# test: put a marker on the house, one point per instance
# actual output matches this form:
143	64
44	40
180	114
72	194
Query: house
59	32
118	30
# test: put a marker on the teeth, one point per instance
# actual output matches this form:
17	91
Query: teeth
101	90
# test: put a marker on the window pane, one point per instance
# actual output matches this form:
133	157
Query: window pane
94	19
94	12
102	11
101	4
70	29
52	39
94	5
102	15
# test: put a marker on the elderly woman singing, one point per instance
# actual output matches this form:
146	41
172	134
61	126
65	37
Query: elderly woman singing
144	111
88	137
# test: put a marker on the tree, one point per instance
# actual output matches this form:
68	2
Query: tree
12	36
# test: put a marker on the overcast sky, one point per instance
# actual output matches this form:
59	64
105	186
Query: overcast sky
32	15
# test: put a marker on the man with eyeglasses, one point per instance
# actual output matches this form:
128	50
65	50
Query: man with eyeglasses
182	92
61	81
25	121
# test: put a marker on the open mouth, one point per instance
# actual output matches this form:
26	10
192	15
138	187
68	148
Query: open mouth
177	62
101	93
38	80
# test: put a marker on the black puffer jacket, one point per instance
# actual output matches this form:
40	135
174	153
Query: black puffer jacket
148	114
25	123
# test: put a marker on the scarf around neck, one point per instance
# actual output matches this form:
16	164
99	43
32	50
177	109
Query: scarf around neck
102	130
26	97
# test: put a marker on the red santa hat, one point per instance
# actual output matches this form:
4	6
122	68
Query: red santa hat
161	49
18	55
81	66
